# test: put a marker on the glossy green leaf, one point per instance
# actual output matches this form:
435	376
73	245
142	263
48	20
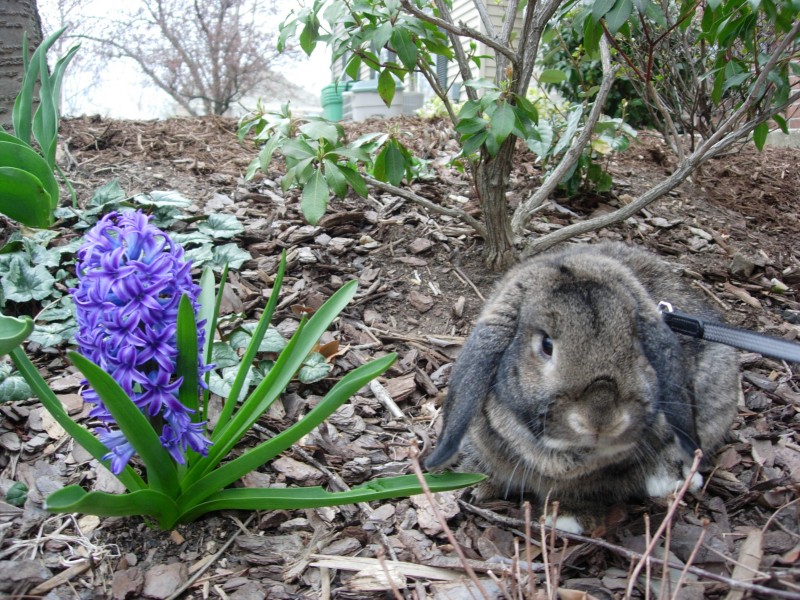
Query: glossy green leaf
760	135
600	8
335	178
502	122
405	48
386	86
618	15
314	369
390	164
355	180
314	200
26	159
552	76
24	199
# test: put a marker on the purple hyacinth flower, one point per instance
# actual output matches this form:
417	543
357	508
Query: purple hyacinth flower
131	277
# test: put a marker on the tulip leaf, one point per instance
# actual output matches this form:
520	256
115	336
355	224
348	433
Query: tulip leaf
74	498
13	331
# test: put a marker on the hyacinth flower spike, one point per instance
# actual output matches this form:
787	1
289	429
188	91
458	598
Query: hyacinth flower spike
130	281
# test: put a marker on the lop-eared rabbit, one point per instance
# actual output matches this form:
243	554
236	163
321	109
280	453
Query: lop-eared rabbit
572	387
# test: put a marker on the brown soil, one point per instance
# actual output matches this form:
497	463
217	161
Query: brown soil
421	281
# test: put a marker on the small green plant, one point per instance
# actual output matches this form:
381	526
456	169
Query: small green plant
28	189
145	334
320	160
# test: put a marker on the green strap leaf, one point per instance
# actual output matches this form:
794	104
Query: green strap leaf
314	497
252	459
186	362
129	478
161	472
288	363
73	498
252	349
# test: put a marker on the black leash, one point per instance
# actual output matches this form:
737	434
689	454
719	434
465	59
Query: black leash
731	336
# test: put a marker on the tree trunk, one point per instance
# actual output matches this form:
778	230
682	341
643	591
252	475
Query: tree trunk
491	180
16	16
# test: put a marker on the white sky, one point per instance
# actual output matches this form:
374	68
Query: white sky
123	92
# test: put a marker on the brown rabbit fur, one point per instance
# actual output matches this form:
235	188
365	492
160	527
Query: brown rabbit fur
572	386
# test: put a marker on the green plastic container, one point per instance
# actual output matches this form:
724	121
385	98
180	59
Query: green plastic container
331	99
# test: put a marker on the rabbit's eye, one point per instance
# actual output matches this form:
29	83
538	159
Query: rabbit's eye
542	345
547	345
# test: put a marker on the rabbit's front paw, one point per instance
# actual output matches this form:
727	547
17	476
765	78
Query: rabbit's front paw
566	523
663	482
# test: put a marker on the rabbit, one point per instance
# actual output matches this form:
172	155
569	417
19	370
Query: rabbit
571	386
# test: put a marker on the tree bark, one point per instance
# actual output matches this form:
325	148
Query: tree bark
16	17
492	180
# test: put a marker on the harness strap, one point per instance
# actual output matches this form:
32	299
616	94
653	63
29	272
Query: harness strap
731	336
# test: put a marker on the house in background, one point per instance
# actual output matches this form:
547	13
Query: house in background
360	100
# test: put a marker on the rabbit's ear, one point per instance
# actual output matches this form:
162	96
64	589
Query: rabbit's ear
675	393
470	382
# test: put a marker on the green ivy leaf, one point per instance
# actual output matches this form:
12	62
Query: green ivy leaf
230	254
314	200
52	335
272	342
223	355
163	199
24	282
220	226
17	494
109	193
14	388
314	368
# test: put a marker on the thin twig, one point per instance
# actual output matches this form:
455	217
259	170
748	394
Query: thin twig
667	522
443	522
409	195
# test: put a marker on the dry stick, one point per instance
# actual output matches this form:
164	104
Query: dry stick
469	282
216	557
647	537
439	517
665	575
673	508
409	195
528	552
632	555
